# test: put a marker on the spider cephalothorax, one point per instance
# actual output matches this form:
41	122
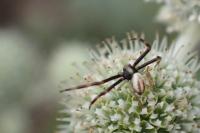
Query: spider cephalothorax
130	73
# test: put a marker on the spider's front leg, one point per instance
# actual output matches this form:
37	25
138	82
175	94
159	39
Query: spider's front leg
146	51
158	58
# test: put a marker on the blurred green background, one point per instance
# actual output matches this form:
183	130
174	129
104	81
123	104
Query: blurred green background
39	40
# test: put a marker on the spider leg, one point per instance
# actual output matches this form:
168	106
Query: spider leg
106	91
158	58
92	84
147	49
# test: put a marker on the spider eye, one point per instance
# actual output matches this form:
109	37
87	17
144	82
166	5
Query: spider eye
138	83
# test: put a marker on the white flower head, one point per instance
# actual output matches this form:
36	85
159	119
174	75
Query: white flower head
167	102
178	13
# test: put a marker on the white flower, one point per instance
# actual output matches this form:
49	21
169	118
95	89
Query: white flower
99	112
121	103
144	111
112	127
179	13
115	117
169	108
168	118
138	128
126	119
154	116
133	106
149	126
112	104
151	103
157	123
167	102
137	122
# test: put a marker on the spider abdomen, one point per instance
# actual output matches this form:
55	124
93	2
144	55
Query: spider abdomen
138	83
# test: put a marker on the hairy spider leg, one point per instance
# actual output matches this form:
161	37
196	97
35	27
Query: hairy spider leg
92	84
158	58
106	91
147	49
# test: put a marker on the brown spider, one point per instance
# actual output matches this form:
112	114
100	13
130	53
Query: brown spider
130	72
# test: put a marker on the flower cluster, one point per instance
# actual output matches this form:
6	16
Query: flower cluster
170	102
179	13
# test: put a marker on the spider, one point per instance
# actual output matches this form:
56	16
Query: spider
130	72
